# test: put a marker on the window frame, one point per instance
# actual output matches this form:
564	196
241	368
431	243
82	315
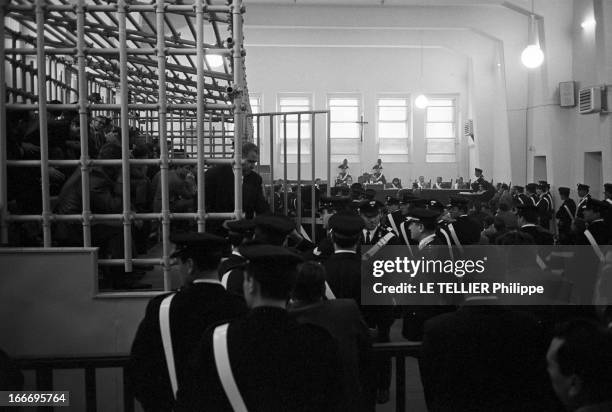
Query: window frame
409	127
360	111
455	123
304	137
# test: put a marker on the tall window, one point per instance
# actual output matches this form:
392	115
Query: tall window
255	101
294	103
345	131
441	130
393	129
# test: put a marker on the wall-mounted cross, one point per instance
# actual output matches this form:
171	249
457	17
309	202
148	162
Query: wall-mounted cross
361	123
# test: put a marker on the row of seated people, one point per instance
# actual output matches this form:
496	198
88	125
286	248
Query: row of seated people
287	318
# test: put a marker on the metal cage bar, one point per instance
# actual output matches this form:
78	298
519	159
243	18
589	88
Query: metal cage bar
3	137
199	37
42	122
125	138
148	84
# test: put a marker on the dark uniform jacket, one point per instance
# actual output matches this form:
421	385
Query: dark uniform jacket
342	319
599	230
582	205
343	271
194	308
219	188
522	199
565	220
278	365
485	358
467	229
233	282
378	234
539	234
544	205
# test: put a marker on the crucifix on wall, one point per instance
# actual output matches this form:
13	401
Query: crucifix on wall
361	123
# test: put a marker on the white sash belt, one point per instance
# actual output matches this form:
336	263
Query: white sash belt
455	237
406	239
594	245
448	243
164	328
224	369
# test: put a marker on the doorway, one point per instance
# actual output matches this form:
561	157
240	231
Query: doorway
593	173
539	168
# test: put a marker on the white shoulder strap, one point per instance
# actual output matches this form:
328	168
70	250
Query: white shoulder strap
329	294
374	249
455	237
224	369
406	238
569	212
392	223
448	243
594	245
164	328
225	278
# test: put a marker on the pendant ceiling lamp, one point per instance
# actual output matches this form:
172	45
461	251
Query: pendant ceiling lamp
533	56
421	101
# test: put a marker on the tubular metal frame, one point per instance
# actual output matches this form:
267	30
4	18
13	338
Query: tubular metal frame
312	113
102	54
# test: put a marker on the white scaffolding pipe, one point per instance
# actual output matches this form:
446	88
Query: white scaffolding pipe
163	144
142	8
240	87
272	188
299	170
125	137
313	160
42	122
84	127
3	137
199	6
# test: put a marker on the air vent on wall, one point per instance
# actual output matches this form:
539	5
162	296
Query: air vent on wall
589	100
468	128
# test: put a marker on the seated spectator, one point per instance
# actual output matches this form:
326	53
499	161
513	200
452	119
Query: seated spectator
342	319
397	184
580	366
438	184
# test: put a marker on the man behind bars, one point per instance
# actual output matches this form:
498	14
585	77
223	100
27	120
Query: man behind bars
219	188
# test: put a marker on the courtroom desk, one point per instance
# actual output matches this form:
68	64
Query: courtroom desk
441	195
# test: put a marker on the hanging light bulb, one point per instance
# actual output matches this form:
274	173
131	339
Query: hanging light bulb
214	60
421	101
532	56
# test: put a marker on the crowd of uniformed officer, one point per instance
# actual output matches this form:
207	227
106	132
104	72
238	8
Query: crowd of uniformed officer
226	339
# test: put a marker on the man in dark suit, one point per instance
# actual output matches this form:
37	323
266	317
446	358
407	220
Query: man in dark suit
201	302
219	188
342	319
273	362
343	270
565	216
373	231
484	358
528	222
